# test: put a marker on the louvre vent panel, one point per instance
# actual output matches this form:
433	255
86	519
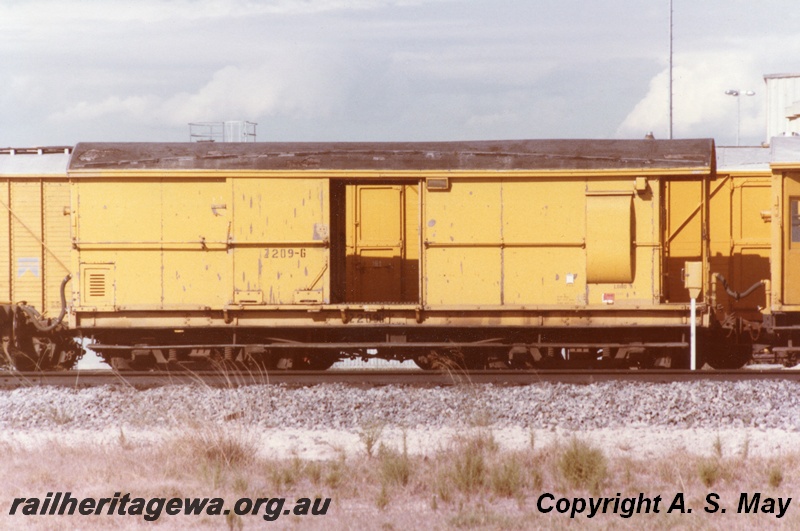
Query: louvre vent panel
98	286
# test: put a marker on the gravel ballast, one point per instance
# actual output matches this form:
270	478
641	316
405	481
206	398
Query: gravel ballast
753	404
315	421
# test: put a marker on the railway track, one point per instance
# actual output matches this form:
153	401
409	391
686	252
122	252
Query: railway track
375	378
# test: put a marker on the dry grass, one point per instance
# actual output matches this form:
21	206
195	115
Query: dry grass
470	484
370	434
583	466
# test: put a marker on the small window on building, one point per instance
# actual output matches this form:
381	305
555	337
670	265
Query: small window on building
795	212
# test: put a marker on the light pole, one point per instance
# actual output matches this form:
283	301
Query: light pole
736	93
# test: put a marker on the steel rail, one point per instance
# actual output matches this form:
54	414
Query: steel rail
372	378
99	347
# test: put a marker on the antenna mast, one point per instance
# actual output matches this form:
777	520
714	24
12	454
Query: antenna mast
670	69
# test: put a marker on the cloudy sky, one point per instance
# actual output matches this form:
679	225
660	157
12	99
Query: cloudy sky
113	70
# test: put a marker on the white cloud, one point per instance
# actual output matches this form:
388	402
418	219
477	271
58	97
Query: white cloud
111	106
377	69
498	65
275	88
700	106
291	85
34	13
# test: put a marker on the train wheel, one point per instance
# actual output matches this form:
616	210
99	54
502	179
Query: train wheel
21	361
436	361
458	360
69	353
300	362
665	358
520	357
35	354
119	363
481	362
242	359
729	357
319	362
552	359
423	362
584	358
522	363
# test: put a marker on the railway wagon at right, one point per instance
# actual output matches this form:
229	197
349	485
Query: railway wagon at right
782	314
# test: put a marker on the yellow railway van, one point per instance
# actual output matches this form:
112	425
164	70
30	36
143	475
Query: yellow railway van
484	253
531	253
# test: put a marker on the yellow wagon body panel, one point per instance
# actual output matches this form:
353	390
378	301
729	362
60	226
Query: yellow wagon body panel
5	243
740	237
735	205
58	243
544	241
35	240
27	235
462	233
165	241
498	241
280	229
386	226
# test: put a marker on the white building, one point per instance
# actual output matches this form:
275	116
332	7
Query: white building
783	104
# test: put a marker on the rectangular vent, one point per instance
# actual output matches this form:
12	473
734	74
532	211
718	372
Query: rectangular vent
97	284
